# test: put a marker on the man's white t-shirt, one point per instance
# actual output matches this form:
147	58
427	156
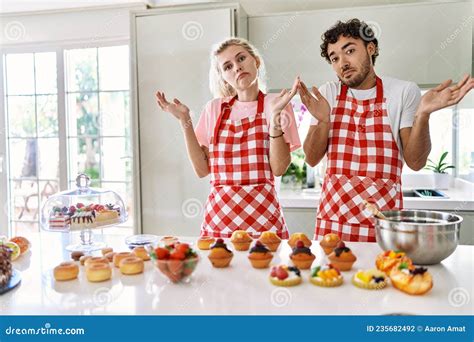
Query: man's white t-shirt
402	98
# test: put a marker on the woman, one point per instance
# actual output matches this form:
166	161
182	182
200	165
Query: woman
243	140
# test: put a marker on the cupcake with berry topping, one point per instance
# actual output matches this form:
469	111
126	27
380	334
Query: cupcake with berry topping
370	279
301	256
271	240
410	279
241	240
342	257
285	276
329	242
220	256
387	260
260	256
295	237
326	276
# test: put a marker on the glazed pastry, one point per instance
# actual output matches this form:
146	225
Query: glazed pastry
387	260
260	256
131	265
220	256
22	242
327	276
370	279
241	240
76	255
106	250
110	256
329	242
6	269
119	256
302	256
271	240
66	271
141	253
295	237
205	242
169	240
285	276
410	279
95	260
84	258
98	272
342	257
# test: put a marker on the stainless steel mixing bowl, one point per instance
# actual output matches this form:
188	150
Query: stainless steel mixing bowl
427	237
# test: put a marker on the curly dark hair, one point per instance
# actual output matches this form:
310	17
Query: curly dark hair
352	28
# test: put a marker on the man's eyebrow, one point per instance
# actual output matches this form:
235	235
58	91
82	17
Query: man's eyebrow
343	47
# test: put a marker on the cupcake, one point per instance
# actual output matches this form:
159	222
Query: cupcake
205	242
271	240
387	260
302	256
410	279
169	240
370	279
260	256
295	237
285	276
342	257
329	242
326	276
220	256
241	240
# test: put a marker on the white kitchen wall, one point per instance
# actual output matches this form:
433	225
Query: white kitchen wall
86	26
425	43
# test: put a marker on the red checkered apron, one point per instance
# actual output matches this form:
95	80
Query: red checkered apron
364	163
243	193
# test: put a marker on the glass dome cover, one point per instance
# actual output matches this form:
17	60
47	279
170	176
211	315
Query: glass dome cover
83	208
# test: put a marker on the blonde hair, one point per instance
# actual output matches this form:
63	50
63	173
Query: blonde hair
217	85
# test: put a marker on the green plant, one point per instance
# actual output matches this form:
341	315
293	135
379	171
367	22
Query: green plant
297	166
440	166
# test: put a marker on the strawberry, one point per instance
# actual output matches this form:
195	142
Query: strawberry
274	272
182	247
80	205
281	273
299	244
162	253
177	255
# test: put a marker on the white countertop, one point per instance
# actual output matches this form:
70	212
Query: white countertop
238	289
460	198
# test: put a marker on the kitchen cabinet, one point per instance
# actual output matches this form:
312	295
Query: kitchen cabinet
170	52
424	43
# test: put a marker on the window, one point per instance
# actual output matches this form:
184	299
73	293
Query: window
95	129
441	133
31	103
463	122
98	113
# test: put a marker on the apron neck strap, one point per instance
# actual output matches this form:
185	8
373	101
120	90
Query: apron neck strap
378	90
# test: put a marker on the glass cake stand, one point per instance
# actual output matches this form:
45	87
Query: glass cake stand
83	209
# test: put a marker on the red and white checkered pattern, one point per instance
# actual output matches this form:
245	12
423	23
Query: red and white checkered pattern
364	163
243	194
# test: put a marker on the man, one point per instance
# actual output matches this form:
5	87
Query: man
367	126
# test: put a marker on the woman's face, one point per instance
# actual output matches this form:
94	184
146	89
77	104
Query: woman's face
238	67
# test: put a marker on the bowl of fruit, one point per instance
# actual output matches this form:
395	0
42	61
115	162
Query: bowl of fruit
176	261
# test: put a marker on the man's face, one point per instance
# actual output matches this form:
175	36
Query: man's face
351	60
